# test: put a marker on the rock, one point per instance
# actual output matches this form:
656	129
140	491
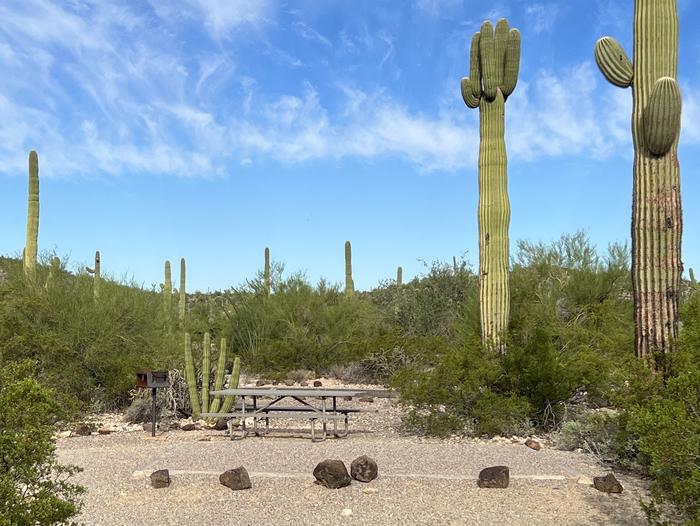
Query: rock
318	383
275	382
175	425
364	469
189	426
347	512
494	477
583	479
366	400
533	444
236	479
369	491
103	431
347	398
204	439
83	429
65	434
148	427
260	383
332	474
288	382
303	383
220	424
607	484
160	478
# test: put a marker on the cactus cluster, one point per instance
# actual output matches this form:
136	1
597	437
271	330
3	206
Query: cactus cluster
30	246
493	74
656	198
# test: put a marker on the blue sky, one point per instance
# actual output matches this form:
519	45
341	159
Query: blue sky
211	129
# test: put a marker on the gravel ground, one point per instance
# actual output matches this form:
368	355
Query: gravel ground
421	481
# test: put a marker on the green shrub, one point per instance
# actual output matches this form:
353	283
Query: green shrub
33	487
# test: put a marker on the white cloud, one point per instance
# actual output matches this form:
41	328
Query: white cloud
541	16
309	33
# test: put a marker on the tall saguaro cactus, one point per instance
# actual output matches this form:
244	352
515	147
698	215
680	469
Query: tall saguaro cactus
399	277
656	197
349	285
493	74
206	370
191	378
97	277
267	271
30	246
183	296
167	291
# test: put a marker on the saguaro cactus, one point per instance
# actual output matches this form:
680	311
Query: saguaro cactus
399	277
656	197
30	246
493	74
97	277
232	384
267	271
183	297
167	291
220	372
349	285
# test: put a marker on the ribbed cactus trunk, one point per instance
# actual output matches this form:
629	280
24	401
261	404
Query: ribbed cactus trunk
656	197
399	277
191	378
349	285
168	291
206	369
30	246
97	277
267	271
232	384
183	297
220	372
494	65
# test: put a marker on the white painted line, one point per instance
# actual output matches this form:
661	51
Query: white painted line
414	476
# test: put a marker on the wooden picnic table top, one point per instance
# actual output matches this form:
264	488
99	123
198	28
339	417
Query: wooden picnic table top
305	391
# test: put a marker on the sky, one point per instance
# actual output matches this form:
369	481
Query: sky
211	129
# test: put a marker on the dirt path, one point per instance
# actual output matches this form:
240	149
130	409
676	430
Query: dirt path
421	482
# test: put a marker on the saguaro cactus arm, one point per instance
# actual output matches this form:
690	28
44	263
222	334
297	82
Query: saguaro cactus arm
613	62
662	116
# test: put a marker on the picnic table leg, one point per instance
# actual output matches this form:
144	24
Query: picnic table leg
323	410
313	431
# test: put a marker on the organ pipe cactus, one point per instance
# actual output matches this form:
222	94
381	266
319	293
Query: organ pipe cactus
30	246
191	378
167	291
493	74
232	384
349	285
656	197
267	271
220	372
183	297
206	369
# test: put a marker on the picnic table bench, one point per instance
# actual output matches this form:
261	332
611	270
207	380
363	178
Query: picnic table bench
308	411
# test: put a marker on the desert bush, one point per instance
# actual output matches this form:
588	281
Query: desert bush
34	487
594	431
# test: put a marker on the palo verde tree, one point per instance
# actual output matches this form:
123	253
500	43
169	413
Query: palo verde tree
656	197
493	73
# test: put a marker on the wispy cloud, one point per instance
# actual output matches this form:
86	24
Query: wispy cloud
541	16
309	33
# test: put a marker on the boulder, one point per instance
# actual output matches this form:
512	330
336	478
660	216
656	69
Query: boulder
364	469
160	478
607	484
104	431
83	429
533	444
236	479
332	474
494	477
318	383
189	426
220	424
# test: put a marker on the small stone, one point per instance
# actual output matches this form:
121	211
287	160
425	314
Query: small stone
103	431
584	480
369	491
220	424
65	434
204	439
160	478
494	477
189	426
303	383
332	474
347	512
236	479
175	425
148	427
533	444
366	400
607	484
288	382
318	383
364	469
260	383
275	382
83	430
347	398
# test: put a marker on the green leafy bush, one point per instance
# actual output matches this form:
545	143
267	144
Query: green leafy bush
34	488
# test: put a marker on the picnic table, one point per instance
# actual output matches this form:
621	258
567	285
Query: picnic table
265	403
